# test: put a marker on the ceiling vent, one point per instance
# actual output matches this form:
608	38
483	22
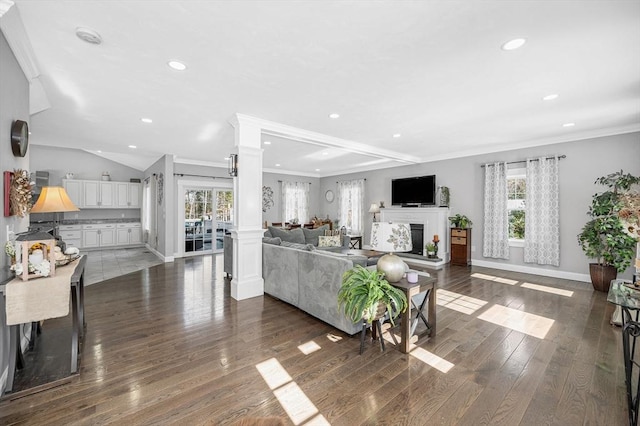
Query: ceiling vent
88	35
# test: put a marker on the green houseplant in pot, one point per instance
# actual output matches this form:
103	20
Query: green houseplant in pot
460	221
366	294
605	237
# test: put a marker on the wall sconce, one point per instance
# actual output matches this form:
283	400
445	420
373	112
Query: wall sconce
233	165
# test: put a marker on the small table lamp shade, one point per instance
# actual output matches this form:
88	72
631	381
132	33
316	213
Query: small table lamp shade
391	237
54	199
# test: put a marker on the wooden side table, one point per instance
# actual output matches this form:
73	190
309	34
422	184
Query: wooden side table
356	242
424	284
460	246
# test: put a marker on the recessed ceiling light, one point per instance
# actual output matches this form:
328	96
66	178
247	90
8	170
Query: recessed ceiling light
396	135
334	115
325	153
99	152
146	120
514	44
267	142
568	124
88	35
132	146
317	170
177	65
550	97
226	158
277	164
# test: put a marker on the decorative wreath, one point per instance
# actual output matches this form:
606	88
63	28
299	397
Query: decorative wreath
20	193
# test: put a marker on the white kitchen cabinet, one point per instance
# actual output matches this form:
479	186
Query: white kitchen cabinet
129	233
74	190
71	235
128	195
98	235
98	194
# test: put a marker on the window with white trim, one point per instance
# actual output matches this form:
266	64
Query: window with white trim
516	191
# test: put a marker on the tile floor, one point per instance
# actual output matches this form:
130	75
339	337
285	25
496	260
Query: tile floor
105	264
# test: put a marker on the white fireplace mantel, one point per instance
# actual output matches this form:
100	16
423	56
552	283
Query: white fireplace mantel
434	219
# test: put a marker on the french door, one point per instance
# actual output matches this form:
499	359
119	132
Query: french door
205	216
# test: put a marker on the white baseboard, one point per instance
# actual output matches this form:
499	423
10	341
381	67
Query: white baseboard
532	270
160	255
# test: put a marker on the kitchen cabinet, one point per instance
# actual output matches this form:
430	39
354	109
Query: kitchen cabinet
98	235
74	190
98	194
71	235
128	233
128	195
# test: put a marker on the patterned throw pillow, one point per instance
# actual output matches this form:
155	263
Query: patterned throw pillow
332	241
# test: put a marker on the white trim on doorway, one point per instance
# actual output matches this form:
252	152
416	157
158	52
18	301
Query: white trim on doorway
182	185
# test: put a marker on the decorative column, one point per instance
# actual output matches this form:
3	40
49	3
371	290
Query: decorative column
247	235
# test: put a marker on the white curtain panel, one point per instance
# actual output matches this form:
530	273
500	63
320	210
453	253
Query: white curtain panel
496	216
351	205
542	212
295	201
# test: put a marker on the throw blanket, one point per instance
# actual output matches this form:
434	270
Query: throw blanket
39	298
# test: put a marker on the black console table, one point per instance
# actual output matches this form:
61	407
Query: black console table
625	295
76	286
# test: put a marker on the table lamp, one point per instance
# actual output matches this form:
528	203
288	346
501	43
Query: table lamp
391	237
374	209
54	199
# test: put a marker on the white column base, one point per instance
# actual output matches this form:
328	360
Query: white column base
247	279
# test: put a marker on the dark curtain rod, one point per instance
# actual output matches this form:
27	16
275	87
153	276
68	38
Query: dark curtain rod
210	177
560	157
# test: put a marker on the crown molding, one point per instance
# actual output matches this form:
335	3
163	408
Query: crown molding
573	137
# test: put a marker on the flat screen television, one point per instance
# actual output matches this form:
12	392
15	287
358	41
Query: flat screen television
414	191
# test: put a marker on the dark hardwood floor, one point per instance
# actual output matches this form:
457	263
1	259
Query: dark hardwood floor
168	345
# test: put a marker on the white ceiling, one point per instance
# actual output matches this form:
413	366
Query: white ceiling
432	71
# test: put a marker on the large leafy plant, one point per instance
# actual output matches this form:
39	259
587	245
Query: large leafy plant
605	237
362	289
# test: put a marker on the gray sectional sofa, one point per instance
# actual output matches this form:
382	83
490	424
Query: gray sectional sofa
305	276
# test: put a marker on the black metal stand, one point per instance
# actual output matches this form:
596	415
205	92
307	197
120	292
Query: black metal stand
630	332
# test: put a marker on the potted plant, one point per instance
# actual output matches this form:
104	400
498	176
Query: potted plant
460	221
431	249
606	236
363	290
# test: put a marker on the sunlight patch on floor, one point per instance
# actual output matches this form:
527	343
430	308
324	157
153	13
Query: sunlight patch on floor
431	359
458	302
309	347
333	338
297	405
273	373
547	289
531	324
494	278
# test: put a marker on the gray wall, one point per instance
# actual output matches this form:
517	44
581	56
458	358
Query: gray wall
166	211
274	214
14	105
586	161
